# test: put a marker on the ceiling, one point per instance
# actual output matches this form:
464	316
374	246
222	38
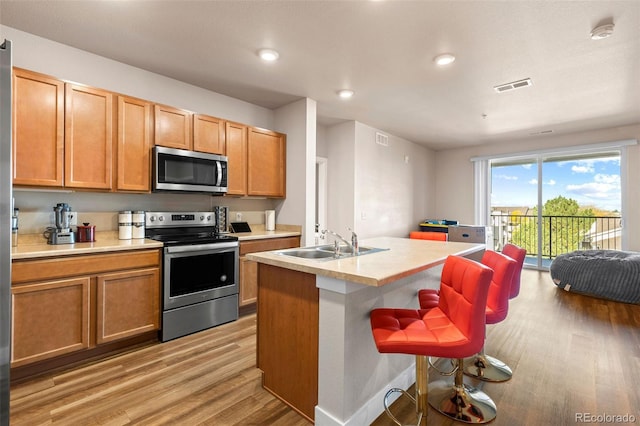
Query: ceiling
383	50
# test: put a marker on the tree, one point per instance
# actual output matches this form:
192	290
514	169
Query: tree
564	225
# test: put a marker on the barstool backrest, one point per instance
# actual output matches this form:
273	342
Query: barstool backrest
500	289
464	286
518	254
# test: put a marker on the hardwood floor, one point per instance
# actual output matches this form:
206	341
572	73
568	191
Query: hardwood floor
570	354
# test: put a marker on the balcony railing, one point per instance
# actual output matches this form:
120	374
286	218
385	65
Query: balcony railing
560	234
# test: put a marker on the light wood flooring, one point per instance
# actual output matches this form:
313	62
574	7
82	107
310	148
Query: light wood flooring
570	354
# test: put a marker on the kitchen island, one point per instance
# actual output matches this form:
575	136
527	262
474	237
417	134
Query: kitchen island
314	339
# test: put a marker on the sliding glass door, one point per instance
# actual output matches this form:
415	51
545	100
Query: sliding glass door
554	204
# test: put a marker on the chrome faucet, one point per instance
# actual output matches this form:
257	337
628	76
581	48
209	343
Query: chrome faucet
353	244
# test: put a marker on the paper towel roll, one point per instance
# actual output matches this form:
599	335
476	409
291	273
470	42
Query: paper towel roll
270	220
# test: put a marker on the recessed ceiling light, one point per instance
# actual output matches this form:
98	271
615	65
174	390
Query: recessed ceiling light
346	93
602	31
444	59
269	55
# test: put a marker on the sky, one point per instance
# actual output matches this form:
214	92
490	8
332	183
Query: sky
591	182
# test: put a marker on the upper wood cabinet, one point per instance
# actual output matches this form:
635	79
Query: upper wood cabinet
208	134
236	135
134	145
88	137
173	127
266	163
38	129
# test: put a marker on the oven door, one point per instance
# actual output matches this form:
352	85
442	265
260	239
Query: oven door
197	273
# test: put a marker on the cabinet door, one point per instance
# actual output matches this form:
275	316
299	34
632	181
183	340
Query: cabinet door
88	138
248	281
49	319
173	127
266	163
38	129
208	134
236	135
249	268
128	304
134	145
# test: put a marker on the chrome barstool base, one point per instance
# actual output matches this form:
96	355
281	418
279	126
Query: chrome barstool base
487	368
461	403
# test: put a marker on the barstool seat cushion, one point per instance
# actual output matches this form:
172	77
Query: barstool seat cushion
419	332
609	274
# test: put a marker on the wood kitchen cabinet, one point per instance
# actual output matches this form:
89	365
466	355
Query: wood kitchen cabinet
77	305
134	145
236	138
38	129
257	161
249	268
128	304
63	133
173	127
266	163
88	137
49	318
209	134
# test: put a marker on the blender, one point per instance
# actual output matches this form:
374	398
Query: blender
62	233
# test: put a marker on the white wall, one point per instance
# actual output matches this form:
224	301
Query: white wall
298	121
454	192
341	162
372	188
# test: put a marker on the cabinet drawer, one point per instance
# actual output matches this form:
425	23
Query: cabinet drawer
268	244
61	267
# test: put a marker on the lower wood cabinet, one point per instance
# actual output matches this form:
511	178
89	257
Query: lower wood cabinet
249	268
50	318
71	304
128	304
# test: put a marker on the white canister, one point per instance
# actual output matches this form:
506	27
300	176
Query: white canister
124	225
270	220
137	224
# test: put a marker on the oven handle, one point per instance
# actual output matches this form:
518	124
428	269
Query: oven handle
200	247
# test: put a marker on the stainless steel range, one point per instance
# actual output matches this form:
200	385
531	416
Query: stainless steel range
200	272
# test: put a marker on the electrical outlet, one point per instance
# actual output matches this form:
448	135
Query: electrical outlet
238	217
73	218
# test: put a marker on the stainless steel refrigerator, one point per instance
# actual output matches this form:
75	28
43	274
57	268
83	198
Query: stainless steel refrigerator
6	208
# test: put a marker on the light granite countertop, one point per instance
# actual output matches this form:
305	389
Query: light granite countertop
404	257
33	246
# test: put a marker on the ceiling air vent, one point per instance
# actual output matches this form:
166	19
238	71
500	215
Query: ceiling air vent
513	85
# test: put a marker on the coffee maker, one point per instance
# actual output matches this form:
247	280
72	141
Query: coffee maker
62	233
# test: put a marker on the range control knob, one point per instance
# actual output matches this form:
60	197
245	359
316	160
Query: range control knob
152	219
161	218
202	217
208	218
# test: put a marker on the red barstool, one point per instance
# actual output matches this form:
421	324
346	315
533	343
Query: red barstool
518	254
453	329
483	366
428	235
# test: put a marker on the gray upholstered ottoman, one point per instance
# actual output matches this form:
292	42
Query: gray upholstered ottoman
610	274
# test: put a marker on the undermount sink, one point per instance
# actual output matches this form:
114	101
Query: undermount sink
326	252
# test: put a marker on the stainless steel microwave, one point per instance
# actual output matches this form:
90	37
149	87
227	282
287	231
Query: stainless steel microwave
188	171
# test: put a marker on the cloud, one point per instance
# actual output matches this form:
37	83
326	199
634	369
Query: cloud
551	182
585	168
527	166
533	181
506	177
612	179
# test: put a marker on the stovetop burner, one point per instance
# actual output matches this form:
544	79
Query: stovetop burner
184	228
